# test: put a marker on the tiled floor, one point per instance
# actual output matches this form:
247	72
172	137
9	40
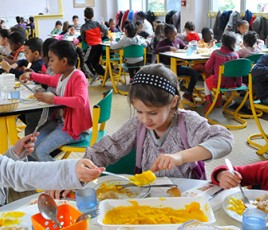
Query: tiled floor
121	112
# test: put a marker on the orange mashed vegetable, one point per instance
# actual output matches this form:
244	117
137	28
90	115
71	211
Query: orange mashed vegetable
11	218
236	205
111	191
144	178
138	214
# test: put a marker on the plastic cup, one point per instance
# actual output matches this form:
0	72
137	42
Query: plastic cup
254	219
15	95
86	199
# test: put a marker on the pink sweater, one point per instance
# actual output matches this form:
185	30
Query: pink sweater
216	59
77	115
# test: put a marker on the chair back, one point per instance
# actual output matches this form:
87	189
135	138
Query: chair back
236	68
254	58
101	113
105	105
134	51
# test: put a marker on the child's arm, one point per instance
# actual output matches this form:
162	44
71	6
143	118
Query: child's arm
168	161
162	47
209	66
78	85
223	177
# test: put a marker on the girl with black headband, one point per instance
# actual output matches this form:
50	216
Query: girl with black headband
155	97
156	131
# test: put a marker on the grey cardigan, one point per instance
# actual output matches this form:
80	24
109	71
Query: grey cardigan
215	138
23	176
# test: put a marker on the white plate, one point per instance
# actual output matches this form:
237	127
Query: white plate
23	222
251	194
138	192
205	54
31	209
181	51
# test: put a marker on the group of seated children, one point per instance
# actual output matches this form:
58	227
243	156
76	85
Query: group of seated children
165	148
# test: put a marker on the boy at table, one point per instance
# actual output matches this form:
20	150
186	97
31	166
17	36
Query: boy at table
23	176
173	43
16	40
92	33
32	50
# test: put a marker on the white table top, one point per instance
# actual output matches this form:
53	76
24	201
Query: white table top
26	104
184	56
222	219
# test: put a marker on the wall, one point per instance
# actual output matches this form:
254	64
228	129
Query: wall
197	12
103	8
12	8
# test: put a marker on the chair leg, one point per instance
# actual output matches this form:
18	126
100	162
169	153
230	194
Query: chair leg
66	155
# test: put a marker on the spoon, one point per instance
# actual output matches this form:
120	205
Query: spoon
116	175
86	215
48	208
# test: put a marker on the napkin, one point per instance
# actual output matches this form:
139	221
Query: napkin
207	191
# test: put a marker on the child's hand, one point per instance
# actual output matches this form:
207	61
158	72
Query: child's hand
26	143
46	97
6	66
173	49
228	180
86	171
166	161
25	77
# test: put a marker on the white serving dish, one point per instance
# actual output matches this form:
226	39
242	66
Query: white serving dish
172	202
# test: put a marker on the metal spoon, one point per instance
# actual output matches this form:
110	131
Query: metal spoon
116	175
48	208
86	215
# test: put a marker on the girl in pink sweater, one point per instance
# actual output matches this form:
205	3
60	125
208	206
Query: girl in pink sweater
70	123
212	66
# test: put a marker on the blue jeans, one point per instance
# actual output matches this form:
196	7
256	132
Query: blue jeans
52	137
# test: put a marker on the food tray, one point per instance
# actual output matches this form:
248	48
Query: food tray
172	202
8	105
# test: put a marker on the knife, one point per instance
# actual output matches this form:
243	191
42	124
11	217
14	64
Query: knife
214	194
29	88
147	186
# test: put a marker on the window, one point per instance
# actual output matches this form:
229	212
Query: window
136	5
123	5
257	6
173	5
226	5
156	5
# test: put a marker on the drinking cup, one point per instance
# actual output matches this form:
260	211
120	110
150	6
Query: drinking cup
15	95
86	199
254	219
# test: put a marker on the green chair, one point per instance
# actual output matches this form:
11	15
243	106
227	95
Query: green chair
234	68
126	165
101	114
254	58
134	51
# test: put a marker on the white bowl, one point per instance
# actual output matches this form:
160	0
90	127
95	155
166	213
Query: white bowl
172	202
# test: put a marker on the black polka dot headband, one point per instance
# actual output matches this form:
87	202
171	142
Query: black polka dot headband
154	80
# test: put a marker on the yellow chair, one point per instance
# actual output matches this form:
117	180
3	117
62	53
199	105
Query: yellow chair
234	68
101	114
262	136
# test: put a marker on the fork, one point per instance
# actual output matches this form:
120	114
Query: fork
41	122
43	119
244	198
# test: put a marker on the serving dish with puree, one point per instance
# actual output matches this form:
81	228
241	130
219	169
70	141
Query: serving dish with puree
154	213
